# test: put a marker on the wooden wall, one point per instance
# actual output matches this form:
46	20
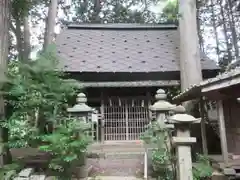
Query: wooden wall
232	122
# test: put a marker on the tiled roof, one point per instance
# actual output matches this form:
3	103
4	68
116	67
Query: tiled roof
121	48
196	89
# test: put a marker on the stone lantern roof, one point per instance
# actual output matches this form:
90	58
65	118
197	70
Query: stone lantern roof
161	104
81	106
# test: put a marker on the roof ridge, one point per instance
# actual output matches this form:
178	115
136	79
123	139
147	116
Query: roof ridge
124	26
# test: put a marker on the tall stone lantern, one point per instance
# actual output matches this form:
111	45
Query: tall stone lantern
161	108
81	111
183	142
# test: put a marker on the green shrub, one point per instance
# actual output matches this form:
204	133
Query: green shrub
162	157
67	145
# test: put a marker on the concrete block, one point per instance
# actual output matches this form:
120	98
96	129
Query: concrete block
26	173
229	171
216	175
21	178
38	177
51	178
235	156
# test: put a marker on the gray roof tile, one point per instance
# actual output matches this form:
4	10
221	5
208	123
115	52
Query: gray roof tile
121	48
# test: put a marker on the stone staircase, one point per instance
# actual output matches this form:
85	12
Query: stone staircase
118	158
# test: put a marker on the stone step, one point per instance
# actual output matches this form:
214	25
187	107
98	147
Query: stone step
135	155
115	178
114	166
111	147
119	150
114	145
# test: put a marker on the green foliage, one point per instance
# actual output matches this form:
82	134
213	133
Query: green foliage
67	144
170	11
172	92
20	8
37	92
112	11
202	169
38	84
36	96
9	171
162	158
21	134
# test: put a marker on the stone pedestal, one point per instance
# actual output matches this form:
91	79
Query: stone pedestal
184	160
216	175
183	142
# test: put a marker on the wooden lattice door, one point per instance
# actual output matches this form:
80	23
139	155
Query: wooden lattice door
125	119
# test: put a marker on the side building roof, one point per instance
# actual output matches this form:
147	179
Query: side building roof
224	80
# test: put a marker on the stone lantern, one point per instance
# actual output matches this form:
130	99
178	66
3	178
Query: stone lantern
161	108
183	142
80	110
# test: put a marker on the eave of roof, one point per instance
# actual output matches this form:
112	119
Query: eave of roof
157	83
195	91
123	26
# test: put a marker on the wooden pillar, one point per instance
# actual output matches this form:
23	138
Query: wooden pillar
102	118
126	121
222	131
149	104
203	127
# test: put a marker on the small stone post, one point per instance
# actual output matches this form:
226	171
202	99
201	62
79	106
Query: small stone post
82	112
183	142
161	107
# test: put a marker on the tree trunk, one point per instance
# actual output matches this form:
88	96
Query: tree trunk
27	35
229	46
97	10
200	37
213	17
22	37
50	23
190	65
233	27
19	37
4	43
